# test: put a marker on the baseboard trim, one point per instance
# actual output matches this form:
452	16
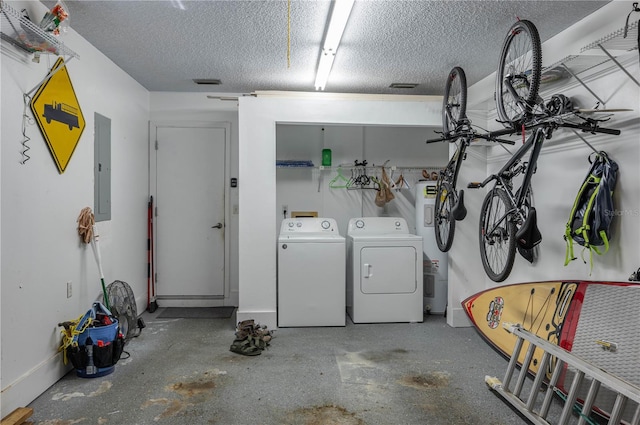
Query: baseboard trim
176	302
32	384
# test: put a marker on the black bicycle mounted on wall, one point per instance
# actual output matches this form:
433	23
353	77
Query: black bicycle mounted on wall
507	216
456	128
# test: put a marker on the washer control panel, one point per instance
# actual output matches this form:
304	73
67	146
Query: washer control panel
309	225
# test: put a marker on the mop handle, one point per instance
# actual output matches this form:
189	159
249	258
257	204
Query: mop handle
96	250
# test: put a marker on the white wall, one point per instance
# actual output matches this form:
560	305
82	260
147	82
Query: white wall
40	246
562	166
257	155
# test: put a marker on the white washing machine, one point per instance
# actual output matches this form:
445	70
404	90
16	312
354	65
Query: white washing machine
384	271
311	273
435	262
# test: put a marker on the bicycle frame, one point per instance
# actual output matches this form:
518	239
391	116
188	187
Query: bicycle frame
506	173
456	160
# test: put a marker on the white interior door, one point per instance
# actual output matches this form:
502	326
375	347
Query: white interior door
190	221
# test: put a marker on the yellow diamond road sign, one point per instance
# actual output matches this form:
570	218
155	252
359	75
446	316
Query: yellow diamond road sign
58	114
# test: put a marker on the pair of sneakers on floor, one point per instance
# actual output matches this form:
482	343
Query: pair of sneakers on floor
251	338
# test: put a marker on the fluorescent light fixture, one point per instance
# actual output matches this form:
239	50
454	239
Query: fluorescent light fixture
324	68
178	4
337	23
223	98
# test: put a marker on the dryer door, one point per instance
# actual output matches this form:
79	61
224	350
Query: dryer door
388	270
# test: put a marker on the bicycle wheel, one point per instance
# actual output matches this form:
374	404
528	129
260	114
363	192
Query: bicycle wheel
445	224
497	235
454	104
520	63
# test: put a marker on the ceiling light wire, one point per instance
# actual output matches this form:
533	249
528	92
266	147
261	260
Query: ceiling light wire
288	34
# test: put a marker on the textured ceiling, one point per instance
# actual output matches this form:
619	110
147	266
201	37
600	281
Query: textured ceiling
244	43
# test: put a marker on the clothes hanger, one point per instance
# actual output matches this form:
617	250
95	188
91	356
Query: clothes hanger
339	181
401	183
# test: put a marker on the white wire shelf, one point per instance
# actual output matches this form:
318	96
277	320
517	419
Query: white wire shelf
616	40
22	33
592	55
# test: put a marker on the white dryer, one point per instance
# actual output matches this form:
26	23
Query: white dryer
311	273
384	271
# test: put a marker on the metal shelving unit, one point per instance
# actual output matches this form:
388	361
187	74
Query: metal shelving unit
414	171
322	171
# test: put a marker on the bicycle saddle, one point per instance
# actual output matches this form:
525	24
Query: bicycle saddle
528	236
459	212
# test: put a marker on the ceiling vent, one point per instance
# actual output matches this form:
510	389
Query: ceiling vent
403	85
207	81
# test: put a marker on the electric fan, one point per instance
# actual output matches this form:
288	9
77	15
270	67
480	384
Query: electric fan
123	306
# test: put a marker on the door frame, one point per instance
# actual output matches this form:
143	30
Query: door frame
225	125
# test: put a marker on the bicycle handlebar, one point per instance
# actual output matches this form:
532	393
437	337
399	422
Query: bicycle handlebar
587	128
491	137
443	138
497	133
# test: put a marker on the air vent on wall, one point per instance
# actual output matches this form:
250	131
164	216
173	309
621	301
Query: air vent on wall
403	85
207	81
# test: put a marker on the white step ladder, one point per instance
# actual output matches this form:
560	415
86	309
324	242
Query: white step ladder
626	394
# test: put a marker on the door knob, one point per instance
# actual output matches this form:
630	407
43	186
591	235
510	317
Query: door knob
217	226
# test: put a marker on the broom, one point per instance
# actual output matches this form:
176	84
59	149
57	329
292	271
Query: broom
152	304
149	256
89	233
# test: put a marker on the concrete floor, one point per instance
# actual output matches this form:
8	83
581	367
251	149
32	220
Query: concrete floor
180	371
